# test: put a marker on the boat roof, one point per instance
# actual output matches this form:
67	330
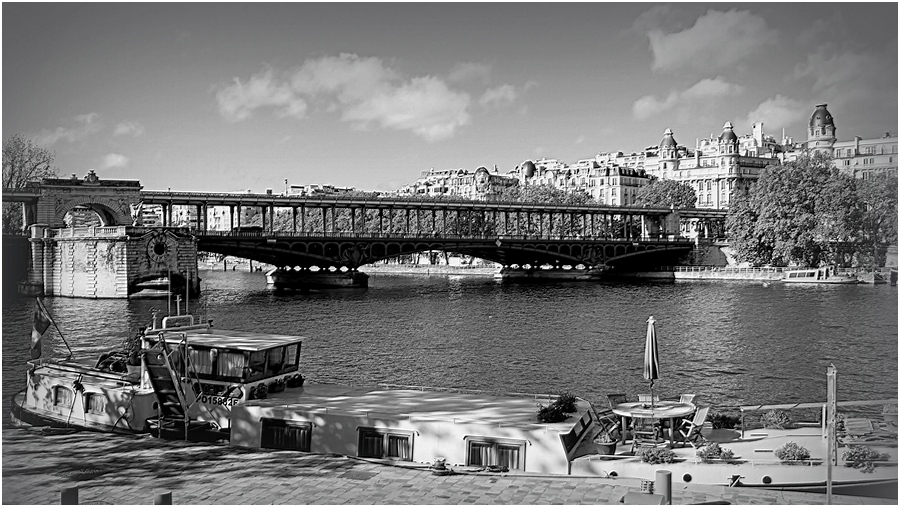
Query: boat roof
236	340
518	410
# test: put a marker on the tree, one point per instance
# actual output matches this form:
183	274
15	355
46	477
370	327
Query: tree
878	196
802	212
666	194
23	162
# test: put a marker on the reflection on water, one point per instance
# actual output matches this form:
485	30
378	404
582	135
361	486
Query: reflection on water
729	342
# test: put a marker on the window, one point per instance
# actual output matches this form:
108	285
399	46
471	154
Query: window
385	443
202	360
282	434
230	364
485	451
94	403
63	397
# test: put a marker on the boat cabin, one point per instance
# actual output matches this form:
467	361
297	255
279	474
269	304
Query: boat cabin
219	369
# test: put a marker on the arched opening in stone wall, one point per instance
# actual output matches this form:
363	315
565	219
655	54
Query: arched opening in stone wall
90	215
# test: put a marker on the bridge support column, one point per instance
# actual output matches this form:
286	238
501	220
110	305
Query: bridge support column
34	284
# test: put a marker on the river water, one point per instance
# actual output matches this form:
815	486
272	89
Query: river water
730	342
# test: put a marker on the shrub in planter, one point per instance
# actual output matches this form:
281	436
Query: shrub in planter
792	452
260	392
715	451
862	457
726	421
551	414
567	402
295	380
776	419
656	455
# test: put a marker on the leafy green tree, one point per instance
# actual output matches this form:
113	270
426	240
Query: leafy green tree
23	162
802	212
878	196
666	194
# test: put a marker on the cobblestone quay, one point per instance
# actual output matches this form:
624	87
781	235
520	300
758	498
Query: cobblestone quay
111	469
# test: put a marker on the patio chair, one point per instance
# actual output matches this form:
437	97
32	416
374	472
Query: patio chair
647	433
615	399
687	398
690	429
646	398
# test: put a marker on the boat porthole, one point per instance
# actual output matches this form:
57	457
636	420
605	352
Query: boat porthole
766	479
686	478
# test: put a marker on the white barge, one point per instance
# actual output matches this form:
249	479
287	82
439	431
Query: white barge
201	383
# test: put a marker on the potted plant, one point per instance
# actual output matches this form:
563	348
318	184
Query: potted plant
792	453
862	457
606	441
656	455
714	451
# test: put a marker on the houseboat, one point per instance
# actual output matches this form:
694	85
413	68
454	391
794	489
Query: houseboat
827	275
197	382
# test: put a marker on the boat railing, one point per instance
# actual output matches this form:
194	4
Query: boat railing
120	378
808	405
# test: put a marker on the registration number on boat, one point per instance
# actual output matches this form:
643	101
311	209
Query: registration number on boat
219	400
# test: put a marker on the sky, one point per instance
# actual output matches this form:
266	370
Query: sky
223	97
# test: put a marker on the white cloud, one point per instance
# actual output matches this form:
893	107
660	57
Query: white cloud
844	73
499	96
238	100
85	125
364	91
469	71
717	40
128	128
115	160
699	93
779	112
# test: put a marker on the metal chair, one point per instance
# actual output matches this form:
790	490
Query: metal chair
690	430
647	433
615	399
687	398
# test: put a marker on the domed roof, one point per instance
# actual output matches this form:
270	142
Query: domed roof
528	168
821	117
668	140
728	134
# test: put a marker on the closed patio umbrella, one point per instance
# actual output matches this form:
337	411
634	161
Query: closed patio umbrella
651	356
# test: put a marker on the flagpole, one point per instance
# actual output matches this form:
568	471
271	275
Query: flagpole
44	308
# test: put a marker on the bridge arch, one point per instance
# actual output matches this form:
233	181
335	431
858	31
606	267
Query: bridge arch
109	211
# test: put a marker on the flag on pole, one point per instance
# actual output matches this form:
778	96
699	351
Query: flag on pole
40	323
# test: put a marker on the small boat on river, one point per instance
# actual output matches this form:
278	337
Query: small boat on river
197	382
827	275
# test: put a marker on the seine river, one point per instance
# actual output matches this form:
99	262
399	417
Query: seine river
729	342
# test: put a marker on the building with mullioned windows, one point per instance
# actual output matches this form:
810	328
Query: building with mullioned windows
717	168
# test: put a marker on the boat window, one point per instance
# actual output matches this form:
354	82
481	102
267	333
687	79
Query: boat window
94	403
63	397
291	356
202	360
230	364
275	362
385	443
487	451
282	434
257	365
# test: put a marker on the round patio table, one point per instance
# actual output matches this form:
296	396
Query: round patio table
660	410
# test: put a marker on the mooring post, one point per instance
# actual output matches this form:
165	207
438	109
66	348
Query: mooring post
69	496
664	485
163	499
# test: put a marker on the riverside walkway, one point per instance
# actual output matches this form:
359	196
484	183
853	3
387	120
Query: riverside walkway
111	469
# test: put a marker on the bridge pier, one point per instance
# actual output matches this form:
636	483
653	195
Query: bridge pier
305	279
110	262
